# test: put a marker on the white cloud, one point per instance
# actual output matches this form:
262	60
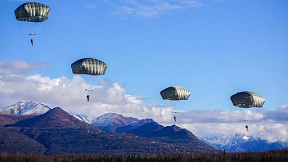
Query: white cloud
20	66
104	82
70	94
149	8
270	125
17	84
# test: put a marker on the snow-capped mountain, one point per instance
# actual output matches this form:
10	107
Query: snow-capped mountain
69	135
242	143
226	140
110	121
25	108
116	123
83	118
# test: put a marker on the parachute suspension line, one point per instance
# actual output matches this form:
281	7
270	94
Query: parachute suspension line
38	27
25	28
31	28
88	91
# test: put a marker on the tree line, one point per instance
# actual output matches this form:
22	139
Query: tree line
274	155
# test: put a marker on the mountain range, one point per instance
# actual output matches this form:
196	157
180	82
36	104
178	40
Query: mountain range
56	132
24	115
242	143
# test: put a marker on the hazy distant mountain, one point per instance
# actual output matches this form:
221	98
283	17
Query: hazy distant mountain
25	108
109	122
175	132
181	138
57	132
138	128
242	143
150	128
155	130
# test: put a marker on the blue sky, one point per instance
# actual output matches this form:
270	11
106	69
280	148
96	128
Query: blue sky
213	48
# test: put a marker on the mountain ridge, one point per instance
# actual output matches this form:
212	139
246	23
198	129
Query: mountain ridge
117	123
109	122
56	118
25	108
57	132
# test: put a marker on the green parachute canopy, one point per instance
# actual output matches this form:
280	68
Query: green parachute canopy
32	12
89	66
247	99
175	93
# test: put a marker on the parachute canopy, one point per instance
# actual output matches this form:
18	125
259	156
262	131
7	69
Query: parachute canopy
175	93
89	66
247	99
32	12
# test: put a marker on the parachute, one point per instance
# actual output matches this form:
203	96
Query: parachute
175	93
32	12
247	99
89	66
32	15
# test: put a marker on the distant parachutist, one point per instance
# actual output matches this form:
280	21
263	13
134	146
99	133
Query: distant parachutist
175	115
246	126
32	42
88	97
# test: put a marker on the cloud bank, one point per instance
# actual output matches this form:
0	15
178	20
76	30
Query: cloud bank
269	125
17	83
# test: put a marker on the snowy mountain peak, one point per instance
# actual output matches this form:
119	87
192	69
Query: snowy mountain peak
84	118
25	108
110	121
242	142
142	122
227	140
109	118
